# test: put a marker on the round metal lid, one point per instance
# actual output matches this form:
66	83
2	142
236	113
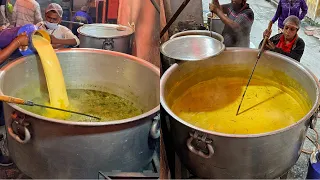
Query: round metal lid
105	30
192	47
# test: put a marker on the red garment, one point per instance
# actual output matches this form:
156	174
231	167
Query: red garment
285	47
113	6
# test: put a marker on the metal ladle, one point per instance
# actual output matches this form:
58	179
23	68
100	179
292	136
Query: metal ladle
255	65
14	100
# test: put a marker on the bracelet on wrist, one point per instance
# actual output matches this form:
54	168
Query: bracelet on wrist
18	42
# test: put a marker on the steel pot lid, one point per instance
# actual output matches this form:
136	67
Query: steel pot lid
105	30
192	48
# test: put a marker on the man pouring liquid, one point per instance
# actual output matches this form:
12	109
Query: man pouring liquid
14	43
9	45
238	22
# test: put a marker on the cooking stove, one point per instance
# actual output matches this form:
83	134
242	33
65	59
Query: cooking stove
151	171
12	172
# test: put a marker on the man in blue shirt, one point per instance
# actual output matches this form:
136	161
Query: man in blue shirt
81	16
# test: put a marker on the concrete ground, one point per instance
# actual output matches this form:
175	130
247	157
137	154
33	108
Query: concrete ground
264	12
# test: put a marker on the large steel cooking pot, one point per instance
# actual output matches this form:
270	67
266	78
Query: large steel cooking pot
219	155
112	37
199	32
214	23
52	148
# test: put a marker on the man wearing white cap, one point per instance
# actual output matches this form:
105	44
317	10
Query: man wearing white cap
59	34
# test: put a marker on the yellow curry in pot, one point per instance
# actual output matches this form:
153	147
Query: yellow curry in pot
267	106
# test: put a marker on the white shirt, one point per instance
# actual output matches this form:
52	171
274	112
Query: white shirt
26	12
61	32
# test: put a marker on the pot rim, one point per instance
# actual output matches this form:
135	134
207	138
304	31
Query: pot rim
223	47
87	50
106	25
315	106
197	31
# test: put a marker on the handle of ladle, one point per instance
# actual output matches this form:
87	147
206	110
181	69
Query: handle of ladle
265	39
10	99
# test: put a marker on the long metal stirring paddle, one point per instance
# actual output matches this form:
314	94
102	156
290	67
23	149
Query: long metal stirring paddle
14	100
210	30
258	57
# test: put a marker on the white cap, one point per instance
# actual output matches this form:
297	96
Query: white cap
293	19
55	7
84	8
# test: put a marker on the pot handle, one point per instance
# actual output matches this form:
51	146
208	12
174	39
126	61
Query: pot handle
108	44
16	119
155	127
313	122
314	119
202	139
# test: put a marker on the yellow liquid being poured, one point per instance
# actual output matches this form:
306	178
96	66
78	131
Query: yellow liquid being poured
267	106
54	77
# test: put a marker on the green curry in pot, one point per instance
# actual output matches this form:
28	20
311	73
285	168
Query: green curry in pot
97	103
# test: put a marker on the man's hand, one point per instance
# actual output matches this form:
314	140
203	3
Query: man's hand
213	8
267	33
57	46
216	2
23	39
54	40
270	45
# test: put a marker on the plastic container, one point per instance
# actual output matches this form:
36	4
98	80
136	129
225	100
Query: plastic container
7	36
314	166
31	29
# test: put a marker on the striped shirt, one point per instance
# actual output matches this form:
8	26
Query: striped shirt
238	37
26	12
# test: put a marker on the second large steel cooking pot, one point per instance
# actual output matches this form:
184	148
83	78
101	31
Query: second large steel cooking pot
214	23
209	154
112	37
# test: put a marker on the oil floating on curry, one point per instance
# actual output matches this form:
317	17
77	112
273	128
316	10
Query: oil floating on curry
268	105
105	105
